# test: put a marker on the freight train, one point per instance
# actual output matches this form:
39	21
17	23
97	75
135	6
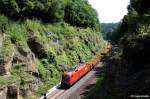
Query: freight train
73	74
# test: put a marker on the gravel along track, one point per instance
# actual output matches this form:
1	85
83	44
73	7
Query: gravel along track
79	88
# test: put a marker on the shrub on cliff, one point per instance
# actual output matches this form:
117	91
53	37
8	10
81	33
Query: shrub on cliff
3	23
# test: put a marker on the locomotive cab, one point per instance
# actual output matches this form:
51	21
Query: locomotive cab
65	82
72	74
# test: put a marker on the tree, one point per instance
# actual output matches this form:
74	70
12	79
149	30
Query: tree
76	12
141	6
56	10
80	13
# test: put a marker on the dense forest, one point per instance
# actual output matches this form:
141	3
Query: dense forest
127	67
38	38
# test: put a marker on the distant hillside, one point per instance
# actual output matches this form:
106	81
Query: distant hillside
107	28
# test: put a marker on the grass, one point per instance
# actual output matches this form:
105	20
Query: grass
46	86
7	48
4	81
18	35
49	74
4	24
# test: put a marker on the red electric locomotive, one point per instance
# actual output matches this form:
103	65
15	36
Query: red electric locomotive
71	75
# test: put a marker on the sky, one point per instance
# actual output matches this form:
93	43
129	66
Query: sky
110	11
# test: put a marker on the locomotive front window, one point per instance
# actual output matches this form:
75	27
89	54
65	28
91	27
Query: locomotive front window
65	78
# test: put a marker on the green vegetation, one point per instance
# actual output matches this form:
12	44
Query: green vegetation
74	12
51	34
3	23
138	15
107	29
17	35
127	67
17	76
54	45
79	13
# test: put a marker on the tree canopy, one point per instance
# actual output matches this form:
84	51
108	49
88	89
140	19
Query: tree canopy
80	13
75	12
138	15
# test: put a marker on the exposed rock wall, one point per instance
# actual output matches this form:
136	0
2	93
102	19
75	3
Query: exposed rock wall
3	93
13	92
2	69
35	52
126	77
5	65
25	57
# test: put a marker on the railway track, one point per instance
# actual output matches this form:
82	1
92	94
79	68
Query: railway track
76	90
56	94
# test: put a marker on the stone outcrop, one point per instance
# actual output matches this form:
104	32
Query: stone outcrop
30	88
3	92
2	69
21	56
25	57
126	78
36	47
13	92
5	65
5	61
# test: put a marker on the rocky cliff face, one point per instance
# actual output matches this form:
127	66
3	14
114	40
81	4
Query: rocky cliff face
128	72
14	88
32	55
